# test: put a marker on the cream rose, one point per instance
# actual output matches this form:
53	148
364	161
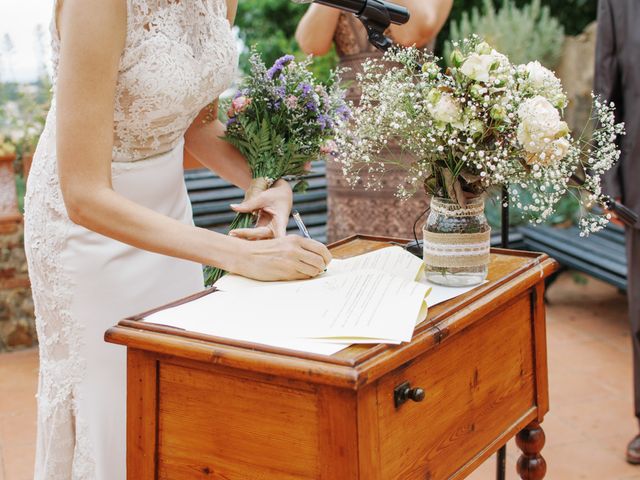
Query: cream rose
444	108
537	75
543	81
477	67
555	151
540	124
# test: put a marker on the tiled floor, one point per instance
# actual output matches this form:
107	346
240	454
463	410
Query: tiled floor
590	421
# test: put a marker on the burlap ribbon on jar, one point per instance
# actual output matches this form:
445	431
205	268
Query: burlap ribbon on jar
451	250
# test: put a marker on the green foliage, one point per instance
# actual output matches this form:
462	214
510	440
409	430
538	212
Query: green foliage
21	188
574	15
566	211
523	34
270	25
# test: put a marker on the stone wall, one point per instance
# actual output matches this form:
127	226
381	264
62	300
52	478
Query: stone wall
576	70
17	329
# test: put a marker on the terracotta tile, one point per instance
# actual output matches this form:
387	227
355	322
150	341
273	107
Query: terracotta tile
2	474
602	420
586	460
558	431
18	428
19	462
18	382
575	386
635	476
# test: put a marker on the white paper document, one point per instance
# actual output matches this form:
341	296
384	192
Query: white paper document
371	298
394	261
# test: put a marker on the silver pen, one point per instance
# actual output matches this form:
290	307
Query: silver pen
301	226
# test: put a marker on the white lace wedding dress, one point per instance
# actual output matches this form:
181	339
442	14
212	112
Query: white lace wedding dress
179	56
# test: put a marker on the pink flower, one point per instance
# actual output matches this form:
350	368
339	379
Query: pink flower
240	103
292	101
307	166
329	148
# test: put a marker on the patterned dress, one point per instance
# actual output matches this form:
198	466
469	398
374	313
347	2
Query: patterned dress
178	57
355	210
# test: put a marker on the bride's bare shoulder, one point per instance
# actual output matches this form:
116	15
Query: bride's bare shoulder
84	16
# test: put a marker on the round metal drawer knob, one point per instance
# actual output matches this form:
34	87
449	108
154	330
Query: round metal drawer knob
404	392
416	394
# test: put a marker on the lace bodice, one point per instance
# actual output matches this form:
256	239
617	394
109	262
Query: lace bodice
179	56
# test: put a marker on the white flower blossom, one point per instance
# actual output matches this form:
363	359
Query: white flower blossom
444	108
494	122
477	67
540	124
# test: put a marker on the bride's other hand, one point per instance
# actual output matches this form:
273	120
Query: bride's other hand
286	258
274	207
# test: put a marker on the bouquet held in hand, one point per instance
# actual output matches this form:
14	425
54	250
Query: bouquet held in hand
281	120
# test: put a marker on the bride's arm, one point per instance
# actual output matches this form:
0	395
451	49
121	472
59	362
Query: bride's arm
204	144
92	40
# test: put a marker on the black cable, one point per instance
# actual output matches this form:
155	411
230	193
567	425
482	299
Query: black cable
415	224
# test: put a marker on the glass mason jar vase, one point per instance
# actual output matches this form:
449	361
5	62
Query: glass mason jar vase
456	243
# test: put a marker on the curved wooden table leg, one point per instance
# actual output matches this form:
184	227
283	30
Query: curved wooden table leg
531	465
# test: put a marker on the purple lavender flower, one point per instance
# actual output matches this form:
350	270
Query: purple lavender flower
305	88
324	121
240	93
344	112
279	65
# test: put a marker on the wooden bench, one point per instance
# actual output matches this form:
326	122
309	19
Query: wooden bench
210	196
601	255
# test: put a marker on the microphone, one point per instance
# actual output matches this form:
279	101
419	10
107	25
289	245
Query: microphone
375	15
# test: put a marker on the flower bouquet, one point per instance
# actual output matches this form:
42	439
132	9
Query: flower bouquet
481	123
281	120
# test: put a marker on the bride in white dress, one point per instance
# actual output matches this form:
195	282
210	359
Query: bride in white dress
108	225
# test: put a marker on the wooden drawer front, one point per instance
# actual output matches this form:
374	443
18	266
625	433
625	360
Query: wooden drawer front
477	384
226	428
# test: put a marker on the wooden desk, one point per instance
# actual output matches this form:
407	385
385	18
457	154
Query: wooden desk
202	407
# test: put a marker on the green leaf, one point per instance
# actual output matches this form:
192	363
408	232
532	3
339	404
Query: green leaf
300	186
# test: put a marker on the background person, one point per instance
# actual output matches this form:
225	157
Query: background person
377	212
617	79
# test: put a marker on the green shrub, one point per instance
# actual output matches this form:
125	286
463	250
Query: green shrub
574	15
20	191
523	34
270	25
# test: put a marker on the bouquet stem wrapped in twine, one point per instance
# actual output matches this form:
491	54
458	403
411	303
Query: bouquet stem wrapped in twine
242	220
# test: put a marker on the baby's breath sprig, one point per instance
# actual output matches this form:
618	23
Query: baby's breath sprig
481	123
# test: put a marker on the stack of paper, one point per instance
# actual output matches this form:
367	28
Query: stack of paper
371	298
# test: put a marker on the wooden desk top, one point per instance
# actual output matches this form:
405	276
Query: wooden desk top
511	274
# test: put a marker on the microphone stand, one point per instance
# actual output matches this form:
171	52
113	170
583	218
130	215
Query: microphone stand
375	18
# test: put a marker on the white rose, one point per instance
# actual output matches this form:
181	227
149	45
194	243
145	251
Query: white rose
540	124
445	109
558	150
477	67
537	75
542	81
555	151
